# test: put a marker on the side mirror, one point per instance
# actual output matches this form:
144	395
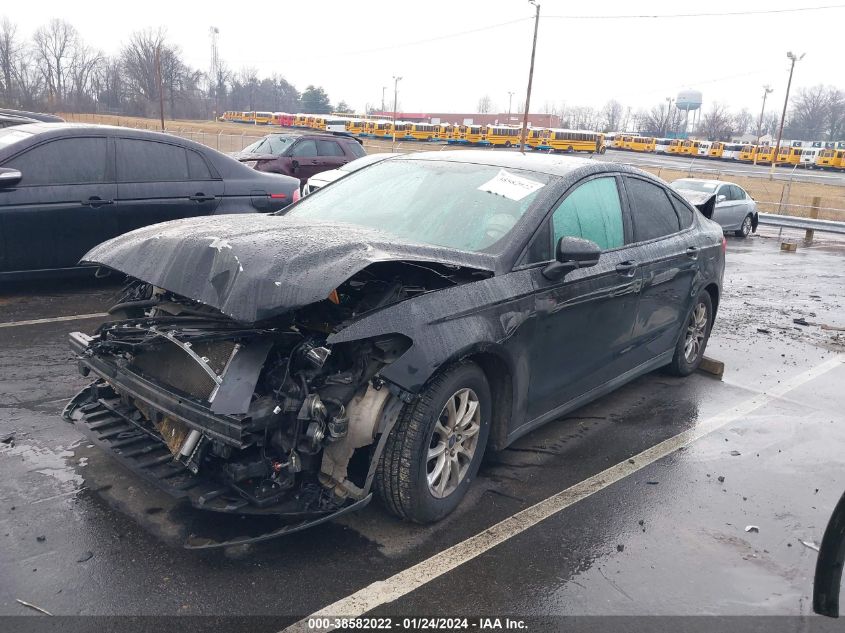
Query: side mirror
9	176
294	165
721	198
572	253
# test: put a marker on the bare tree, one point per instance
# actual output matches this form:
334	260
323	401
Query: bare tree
716	124
56	45
611	116
484	104
808	117
10	51
836	115
743	122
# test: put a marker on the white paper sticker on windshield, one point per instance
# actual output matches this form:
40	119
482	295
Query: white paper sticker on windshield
511	186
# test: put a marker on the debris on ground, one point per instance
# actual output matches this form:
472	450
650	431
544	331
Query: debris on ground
41	539
86	556
620	548
735	453
763	330
33	606
9	438
713	367
809	544
801	321
752	528
721	479
834	328
652	483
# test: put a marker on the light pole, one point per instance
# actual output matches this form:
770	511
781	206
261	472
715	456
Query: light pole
510	100
669	100
766	91
793	58
383	88
530	79
396	81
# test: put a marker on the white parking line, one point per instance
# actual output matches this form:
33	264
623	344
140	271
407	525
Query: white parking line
74	317
406	581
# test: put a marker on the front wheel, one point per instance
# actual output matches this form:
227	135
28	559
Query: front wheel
433	452
745	228
694	336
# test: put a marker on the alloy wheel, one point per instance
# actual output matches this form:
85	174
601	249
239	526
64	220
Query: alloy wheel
696	331
746	226
454	440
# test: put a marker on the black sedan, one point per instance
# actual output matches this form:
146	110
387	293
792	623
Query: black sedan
65	188
383	332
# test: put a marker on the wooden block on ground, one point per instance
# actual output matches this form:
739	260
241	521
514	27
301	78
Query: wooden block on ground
790	247
715	368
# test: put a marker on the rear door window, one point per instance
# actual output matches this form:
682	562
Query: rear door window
737	193
67	161
150	161
305	149
652	212
329	148
592	212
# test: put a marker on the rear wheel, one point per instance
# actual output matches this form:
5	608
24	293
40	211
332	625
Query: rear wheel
694	336
745	228
433	452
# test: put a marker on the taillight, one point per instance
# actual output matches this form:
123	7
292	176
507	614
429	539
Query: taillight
296	194
724	244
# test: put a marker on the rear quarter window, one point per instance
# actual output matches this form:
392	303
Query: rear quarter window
653	214
355	148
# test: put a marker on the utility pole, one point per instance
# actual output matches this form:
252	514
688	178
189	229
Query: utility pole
794	58
396	81
383	88
530	79
766	91
510	100
215	69
668	116
160	85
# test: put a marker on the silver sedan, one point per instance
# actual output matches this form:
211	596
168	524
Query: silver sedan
735	210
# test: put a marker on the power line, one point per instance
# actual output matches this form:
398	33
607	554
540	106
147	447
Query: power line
694	15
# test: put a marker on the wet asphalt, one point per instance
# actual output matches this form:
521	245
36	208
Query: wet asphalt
78	535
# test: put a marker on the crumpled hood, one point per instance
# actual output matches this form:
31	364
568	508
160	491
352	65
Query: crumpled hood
701	200
252	267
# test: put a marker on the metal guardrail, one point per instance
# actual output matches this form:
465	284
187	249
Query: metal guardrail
807	224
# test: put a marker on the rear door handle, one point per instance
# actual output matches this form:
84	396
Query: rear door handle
201	197
96	201
627	268
692	252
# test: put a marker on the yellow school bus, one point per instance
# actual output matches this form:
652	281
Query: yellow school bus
690	147
765	154
747	154
300	120
641	144
537	137
575	141
476	135
675	146
789	155
354	126
831	159
503	135
459	134
403	131
443	131
262	118
422	131
382	129
618	141
716	150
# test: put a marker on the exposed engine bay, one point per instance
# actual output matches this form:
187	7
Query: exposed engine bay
265	418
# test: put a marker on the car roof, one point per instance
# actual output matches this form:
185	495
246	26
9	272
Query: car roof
543	163
708	181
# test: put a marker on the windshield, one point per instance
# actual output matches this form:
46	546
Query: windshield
455	205
690	184
272	144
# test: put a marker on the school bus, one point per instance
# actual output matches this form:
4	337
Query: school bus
421	131
382	129
640	143
403	130
503	135
747	154
300	120
575	141
262	118
476	135
618	141
282	118
831	159
765	154
459	134
355	126
537	138
443	131
675	146
788	155
690	147
716	149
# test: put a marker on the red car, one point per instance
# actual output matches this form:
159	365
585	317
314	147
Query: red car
301	155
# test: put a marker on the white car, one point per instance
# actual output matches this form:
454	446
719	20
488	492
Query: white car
322	179
734	209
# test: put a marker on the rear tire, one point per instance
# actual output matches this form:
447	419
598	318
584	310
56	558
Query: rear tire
433	452
694	336
746	227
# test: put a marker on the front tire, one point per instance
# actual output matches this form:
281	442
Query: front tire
694	336
435	449
745	228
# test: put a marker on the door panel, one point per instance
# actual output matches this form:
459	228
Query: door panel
308	162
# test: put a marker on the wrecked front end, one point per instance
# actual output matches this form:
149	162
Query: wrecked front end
265	419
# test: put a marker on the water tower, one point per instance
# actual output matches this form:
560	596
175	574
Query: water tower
688	101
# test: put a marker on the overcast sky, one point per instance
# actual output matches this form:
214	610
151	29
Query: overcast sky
352	49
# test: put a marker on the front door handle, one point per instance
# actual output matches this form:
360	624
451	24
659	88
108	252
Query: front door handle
627	268
692	252
201	197
96	201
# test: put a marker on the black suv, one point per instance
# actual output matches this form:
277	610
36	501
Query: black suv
301	155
